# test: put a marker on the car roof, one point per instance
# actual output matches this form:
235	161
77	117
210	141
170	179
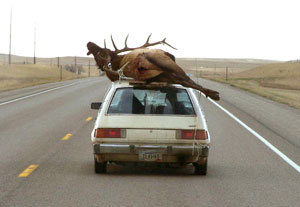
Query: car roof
132	83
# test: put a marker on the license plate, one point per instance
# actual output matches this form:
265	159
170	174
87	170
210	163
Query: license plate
150	155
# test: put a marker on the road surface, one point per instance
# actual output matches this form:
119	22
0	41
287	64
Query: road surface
46	155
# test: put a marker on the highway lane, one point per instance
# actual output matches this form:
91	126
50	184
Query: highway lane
30	128
278	123
241	171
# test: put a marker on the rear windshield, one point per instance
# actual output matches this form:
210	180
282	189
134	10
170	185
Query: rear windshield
151	101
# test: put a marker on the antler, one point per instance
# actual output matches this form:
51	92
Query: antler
147	44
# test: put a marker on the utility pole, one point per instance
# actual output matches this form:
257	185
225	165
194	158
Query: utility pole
58	62
34	59
9	57
75	65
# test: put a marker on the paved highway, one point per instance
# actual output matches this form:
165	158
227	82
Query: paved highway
46	155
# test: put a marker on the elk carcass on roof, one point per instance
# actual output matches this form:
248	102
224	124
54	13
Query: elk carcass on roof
144	64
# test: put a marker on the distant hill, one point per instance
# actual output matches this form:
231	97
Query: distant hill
277	75
67	60
186	63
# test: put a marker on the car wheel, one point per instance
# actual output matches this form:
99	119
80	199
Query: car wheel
100	167
201	166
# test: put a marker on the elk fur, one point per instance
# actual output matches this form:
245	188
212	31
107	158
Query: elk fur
144	64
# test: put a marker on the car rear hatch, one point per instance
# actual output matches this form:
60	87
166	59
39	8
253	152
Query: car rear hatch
151	128
151	115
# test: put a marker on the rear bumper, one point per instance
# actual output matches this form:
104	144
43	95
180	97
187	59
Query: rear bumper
130	152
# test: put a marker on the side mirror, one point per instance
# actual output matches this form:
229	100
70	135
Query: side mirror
96	105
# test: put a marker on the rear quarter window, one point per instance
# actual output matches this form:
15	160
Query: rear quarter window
161	101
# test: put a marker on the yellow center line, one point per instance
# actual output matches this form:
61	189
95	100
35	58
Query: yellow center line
28	171
88	119
66	137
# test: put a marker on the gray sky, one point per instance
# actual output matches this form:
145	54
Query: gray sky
264	29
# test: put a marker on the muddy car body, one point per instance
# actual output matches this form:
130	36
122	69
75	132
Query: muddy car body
150	124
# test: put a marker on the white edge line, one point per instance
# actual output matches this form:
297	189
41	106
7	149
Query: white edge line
35	94
263	140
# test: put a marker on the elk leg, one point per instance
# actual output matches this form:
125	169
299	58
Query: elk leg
187	82
207	92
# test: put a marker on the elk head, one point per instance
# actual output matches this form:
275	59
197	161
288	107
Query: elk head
105	58
101	55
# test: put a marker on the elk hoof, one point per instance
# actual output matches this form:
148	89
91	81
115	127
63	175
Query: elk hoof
212	94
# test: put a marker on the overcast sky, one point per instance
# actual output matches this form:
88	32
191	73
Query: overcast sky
263	29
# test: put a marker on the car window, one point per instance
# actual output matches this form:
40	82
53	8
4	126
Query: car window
164	101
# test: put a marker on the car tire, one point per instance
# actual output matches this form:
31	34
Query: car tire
201	167
100	167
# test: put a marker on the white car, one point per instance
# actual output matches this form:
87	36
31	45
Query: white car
150	123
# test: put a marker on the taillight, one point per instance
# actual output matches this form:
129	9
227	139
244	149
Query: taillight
193	134
109	133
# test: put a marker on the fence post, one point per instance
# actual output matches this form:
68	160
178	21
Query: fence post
61	73
89	68
226	73
215	70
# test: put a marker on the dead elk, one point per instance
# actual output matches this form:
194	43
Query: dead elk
142	63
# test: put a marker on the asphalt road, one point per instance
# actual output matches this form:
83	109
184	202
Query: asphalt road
242	171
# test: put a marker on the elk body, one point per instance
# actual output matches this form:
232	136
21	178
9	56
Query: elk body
142	63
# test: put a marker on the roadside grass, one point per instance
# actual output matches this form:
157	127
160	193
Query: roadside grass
276	81
279	81
24	75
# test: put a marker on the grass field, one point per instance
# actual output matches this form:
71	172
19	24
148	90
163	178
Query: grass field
276	81
24	75
272	79
52	61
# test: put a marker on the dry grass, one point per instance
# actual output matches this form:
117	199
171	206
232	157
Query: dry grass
193	63
280	75
277	81
94	71
19	76
47	61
